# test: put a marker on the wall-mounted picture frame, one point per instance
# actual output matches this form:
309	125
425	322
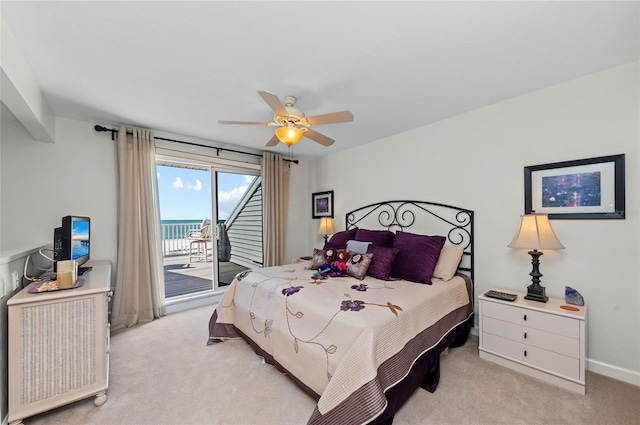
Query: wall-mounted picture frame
322	204
591	188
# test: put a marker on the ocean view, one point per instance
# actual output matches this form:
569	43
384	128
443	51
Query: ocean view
198	220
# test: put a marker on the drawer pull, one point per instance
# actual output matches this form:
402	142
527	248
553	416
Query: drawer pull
525	317
525	353
525	335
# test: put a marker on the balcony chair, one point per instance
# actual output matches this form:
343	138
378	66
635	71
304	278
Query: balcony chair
201	238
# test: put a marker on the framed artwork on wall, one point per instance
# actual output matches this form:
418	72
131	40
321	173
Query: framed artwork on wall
591	188
322	204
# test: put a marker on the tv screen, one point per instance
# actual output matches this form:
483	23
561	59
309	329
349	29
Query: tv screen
72	241
80	239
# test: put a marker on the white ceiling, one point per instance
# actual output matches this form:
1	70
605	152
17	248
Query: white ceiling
179	67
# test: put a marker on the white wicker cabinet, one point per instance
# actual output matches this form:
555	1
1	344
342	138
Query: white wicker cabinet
59	345
541	340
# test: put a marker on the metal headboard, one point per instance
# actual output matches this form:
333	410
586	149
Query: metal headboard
420	217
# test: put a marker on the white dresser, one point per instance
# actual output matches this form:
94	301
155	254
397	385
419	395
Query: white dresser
542	340
59	345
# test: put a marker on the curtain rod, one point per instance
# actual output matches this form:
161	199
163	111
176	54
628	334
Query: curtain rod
114	131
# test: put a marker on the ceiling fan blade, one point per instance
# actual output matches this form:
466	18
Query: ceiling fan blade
274	141
334	117
247	122
273	102
320	138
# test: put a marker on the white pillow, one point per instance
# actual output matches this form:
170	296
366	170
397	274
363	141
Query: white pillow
358	247
448	262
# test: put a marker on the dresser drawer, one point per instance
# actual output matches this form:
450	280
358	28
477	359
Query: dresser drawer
533	356
530	336
533	319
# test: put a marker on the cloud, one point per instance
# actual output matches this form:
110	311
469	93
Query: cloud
197	186
177	183
228	200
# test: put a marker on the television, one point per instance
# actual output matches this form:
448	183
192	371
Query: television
72	241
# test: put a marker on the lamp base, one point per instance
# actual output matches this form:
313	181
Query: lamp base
536	293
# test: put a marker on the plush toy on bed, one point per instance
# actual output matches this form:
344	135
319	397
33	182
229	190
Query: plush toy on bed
340	264
335	263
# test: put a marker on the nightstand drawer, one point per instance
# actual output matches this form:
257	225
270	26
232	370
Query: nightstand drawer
534	337
533	319
537	357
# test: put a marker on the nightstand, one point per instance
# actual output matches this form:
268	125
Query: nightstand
542	340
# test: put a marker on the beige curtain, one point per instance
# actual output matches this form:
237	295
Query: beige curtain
275	195
139	290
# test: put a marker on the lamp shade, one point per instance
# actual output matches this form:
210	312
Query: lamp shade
326	226
289	135
535	232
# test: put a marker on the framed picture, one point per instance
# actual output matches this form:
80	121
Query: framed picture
322	204
581	189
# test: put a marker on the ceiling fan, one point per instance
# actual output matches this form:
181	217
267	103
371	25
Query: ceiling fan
292	123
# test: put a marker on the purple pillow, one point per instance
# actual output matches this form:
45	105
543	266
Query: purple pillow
339	240
376	237
417	256
382	261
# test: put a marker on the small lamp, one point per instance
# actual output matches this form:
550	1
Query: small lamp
535	233
326	228
289	135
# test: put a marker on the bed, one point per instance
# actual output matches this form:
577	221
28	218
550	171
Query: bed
361	345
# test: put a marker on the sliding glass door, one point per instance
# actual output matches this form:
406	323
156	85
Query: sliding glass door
211	218
185	197
239	228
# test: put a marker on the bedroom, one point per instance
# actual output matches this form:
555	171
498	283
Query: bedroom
592	115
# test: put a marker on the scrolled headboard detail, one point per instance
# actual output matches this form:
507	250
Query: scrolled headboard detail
420	217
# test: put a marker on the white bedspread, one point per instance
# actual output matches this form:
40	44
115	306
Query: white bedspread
334	334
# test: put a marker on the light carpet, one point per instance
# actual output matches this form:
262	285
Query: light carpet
163	373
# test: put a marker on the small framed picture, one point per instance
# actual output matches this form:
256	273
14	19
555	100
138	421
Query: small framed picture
591	188
322	204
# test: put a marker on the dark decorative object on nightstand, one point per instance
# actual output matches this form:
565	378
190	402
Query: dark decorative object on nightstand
571	296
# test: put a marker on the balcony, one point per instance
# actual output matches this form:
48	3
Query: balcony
182	277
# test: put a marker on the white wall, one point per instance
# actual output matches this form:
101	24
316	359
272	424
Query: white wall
476	161
299	233
42	182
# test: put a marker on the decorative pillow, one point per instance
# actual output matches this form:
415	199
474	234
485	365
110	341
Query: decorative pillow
335	247
382	261
358	246
322	257
448	263
317	259
340	239
358	265
417	257
376	237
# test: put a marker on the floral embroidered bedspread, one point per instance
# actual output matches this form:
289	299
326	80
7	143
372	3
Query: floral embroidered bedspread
334	334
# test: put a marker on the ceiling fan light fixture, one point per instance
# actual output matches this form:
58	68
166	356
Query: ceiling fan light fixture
289	135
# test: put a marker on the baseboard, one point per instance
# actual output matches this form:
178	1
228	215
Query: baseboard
621	374
475	330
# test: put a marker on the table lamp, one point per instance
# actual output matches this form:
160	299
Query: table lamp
535	233
326	228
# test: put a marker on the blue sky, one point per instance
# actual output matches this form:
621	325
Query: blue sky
186	194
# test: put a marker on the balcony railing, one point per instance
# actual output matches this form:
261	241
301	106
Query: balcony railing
174	237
